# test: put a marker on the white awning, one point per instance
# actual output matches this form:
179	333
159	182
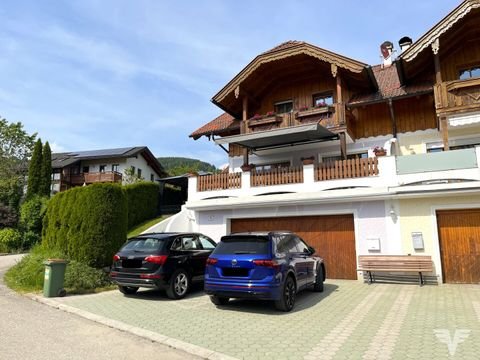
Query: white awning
465	119
279	137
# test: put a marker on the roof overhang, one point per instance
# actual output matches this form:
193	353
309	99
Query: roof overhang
443	26
280	137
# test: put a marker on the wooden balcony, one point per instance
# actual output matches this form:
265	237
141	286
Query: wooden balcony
75	180
220	181
99	177
346	169
331	117
280	176
457	96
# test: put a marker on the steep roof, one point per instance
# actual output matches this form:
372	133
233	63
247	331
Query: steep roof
224	122
61	160
389	87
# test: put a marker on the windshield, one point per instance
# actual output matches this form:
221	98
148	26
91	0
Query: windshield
143	244
243	245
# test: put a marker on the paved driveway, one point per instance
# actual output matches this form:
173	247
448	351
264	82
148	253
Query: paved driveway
350	320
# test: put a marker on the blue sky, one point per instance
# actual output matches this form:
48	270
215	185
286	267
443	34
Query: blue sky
93	74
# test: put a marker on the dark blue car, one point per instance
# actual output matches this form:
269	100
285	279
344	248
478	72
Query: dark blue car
263	265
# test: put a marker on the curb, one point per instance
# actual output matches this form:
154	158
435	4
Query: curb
147	334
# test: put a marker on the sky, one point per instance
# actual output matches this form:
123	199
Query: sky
93	74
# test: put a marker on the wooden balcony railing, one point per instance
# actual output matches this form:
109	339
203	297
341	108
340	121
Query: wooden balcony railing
278	176
457	95
108	176
344	169
221	181
74	180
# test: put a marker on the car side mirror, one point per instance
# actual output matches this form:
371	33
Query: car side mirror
311	250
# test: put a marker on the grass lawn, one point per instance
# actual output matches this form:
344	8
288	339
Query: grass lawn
145	225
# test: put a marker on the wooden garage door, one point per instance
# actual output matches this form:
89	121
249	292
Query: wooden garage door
459	233
332	236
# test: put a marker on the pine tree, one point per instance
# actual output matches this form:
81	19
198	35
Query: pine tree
46	171
35	170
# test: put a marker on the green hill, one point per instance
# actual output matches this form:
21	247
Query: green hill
179	165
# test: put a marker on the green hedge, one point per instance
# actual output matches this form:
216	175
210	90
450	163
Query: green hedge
142	198
10	240
88	224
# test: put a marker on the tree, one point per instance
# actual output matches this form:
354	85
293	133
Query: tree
35	171
15	149
46	171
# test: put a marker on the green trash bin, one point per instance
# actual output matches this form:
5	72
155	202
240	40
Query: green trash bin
54	277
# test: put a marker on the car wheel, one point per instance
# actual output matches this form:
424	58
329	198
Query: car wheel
218	300
318	286
287	300
179	285
127	290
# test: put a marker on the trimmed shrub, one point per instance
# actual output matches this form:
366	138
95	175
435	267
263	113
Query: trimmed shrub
31	216
142	200
88	224
10	239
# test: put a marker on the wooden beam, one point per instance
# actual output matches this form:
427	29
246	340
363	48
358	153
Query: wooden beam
343	145
245	127
339	89
438	71
444	128
392	117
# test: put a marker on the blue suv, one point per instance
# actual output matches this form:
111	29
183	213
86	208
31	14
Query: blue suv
263	265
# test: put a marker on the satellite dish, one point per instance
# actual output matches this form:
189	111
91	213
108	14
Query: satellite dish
386	49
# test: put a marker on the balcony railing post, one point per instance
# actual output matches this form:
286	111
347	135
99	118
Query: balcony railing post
309	174
246	180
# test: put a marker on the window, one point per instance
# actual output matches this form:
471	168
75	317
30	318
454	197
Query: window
185	243
286	244
324	99
266	167
102	168
362	155
301	246
152	177
115	167
207	243
283	107
469	73
86	169
139	173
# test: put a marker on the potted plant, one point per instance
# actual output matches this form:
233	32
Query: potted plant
379	151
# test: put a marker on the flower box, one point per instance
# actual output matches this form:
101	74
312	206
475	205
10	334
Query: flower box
315	111
271	119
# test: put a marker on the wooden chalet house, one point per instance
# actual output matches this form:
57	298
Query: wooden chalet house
357	159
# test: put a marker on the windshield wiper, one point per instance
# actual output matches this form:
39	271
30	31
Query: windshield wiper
245	252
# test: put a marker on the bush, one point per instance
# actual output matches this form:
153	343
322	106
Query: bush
142	198
28	274
10	239
88	224
80	277
31	216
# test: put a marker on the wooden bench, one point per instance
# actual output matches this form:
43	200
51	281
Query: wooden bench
395	263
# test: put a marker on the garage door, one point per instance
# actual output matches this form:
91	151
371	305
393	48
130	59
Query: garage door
332	236
459	233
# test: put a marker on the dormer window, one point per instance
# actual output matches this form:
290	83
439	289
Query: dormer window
323	99
469	73
284	107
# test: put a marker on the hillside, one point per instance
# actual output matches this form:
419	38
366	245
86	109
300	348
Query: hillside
179	165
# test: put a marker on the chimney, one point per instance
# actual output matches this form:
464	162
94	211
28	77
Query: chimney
387	53
405	42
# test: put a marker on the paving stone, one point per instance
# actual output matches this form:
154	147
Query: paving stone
395	320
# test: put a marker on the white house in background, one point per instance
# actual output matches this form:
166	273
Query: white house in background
357	159
77	168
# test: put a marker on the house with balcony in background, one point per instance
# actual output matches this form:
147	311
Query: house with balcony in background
78	168
357	159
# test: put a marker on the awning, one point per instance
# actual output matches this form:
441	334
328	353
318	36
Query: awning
464	119
280	137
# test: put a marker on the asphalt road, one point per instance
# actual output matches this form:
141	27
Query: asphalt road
30	330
